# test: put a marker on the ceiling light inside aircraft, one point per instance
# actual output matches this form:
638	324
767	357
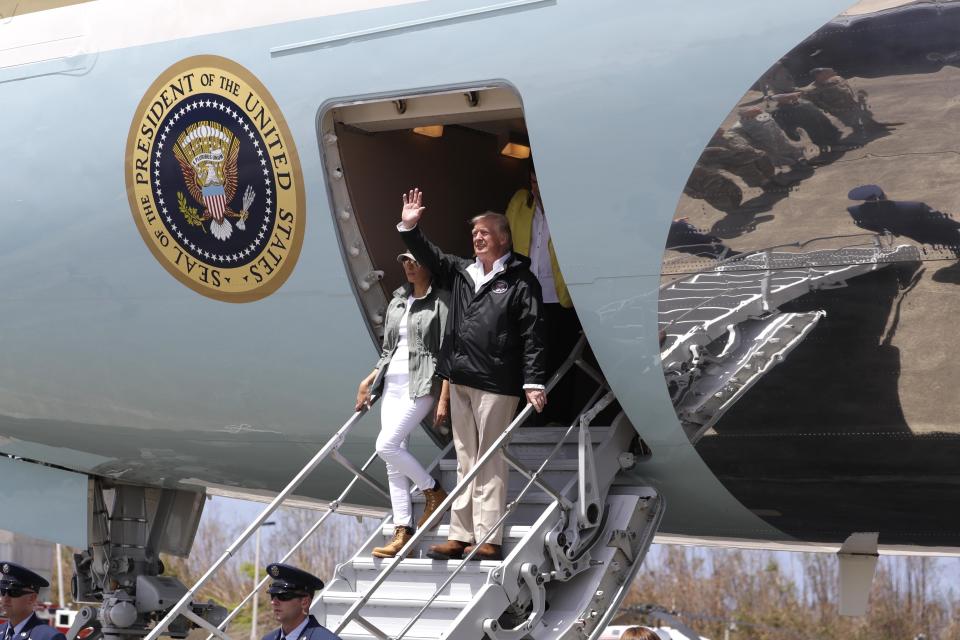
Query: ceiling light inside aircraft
431	131
517	146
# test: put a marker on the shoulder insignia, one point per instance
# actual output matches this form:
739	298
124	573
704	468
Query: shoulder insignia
214	181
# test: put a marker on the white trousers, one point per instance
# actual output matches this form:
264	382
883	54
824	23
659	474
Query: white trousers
399	415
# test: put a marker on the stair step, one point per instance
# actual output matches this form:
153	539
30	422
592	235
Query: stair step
512	536
425	565
348	598
557	464
345	635
390	615
534	496
515	532
552	435
418	578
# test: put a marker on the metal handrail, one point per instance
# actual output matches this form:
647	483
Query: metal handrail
798	245
333	506
332	445
331	509
533	477
434	519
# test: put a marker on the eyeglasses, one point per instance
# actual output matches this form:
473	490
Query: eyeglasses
14	592
286	596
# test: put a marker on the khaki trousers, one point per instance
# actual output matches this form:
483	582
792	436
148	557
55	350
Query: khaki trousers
479	418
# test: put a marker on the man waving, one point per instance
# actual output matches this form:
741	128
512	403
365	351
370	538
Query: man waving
493	353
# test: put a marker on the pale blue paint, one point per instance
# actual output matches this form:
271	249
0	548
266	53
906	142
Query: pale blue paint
104	353
43	502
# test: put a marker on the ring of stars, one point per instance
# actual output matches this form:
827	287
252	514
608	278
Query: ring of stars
264	230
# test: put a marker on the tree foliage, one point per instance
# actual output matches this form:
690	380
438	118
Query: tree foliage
752	595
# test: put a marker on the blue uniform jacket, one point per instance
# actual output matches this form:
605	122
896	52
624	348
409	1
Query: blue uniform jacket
35	629
313	631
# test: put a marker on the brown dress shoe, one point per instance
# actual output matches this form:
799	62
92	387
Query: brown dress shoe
433	499
401	536
486	551
449	550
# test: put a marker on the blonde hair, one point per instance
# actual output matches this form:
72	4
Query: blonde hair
501	224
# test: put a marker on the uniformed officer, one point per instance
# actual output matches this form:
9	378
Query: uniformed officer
291	593
18	597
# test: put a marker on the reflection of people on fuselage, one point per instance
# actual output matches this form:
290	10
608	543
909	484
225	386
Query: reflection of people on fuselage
765	134
832	93
793	113
731	151
686	238
915	220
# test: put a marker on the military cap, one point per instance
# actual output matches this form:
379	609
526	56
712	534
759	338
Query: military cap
288	579
866	192
13	576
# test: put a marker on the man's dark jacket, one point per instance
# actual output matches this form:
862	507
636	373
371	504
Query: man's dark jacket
313	631
494	339
35	629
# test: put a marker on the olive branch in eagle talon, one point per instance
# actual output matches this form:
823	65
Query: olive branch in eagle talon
189	213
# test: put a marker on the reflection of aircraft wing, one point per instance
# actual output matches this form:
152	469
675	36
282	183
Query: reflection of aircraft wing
724	330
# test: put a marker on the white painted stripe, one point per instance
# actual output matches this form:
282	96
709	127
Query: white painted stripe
104	25
410	24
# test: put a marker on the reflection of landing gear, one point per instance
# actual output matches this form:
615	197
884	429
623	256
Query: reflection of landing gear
121	569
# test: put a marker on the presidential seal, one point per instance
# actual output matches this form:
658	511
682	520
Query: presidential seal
214	180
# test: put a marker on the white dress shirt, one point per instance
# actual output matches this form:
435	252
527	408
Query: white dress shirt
480	278
540	263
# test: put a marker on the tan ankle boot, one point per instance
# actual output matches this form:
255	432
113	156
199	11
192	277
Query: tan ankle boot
433	499
401	536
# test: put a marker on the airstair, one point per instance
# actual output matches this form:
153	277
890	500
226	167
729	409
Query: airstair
576	532
722	329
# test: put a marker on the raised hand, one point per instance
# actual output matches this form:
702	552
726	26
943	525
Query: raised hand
412	208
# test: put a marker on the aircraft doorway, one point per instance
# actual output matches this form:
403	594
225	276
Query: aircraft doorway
468	151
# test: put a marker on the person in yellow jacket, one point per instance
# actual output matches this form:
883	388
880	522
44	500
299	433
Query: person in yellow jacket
531	237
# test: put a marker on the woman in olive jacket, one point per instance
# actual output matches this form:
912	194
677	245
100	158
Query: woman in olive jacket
406	379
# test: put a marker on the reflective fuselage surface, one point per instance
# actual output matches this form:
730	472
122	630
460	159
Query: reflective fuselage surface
809	284
112	367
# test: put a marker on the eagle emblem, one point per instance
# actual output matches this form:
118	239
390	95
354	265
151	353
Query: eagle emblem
275	571
207	154
6	568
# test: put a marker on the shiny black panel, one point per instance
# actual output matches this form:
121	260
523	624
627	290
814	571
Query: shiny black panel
811	285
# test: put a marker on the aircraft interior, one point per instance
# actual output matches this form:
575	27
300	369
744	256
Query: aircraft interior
468	151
